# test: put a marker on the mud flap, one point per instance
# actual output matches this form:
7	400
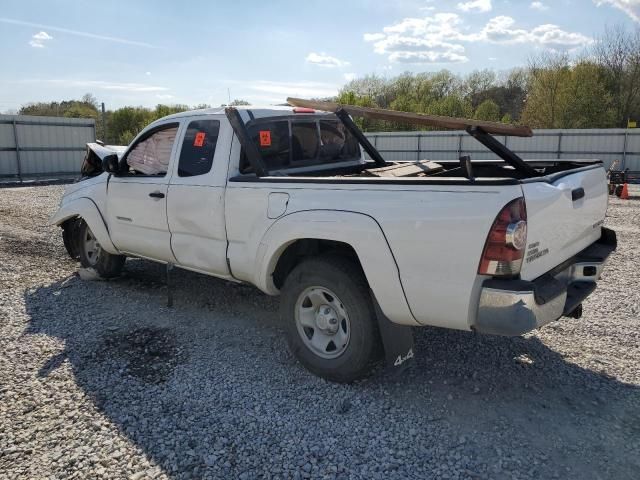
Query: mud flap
397	341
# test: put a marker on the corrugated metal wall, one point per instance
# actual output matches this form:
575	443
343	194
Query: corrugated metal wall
606	144
37	146
55	145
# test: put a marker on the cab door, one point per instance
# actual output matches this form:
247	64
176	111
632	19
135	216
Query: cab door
195	201
137	200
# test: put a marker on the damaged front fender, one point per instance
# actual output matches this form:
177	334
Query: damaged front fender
86	209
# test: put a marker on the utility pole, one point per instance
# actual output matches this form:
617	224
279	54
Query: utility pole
104	125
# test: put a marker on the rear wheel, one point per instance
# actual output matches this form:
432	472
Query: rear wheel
329	317
93	256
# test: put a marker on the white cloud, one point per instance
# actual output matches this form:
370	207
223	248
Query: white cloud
441	38
502	30
630	7
538	6
164	96
39	39
324	60
42	36
147	74
421	40
475	6
553	36
350	76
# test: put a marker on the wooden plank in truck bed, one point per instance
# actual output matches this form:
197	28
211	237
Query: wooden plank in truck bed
451	123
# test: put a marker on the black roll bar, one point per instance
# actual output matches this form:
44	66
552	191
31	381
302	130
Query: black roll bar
362	139
251	151
502	151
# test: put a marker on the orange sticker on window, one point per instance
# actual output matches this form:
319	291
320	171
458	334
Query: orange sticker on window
199	140
265	138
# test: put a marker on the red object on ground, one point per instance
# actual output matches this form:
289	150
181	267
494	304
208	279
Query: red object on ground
625	192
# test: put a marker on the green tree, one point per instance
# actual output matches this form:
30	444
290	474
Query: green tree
126	137
125	123
477	83
86	107
488	110
550	74
588	104
451	106
618	53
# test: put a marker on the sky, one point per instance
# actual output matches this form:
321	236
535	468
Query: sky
139	52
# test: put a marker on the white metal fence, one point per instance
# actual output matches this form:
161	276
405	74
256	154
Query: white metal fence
53	146
605	144
32	146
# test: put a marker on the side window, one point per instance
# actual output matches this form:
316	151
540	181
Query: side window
304	141
272	139
310	142
337	143
151	155
198	148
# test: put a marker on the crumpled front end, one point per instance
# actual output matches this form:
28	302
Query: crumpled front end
92	163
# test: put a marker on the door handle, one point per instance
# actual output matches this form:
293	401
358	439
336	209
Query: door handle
577	194
156	195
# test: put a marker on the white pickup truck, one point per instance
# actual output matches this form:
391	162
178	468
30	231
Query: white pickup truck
282	198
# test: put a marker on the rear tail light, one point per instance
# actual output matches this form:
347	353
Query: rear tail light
506	242
303	110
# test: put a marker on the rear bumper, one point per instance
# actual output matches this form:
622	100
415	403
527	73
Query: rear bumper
515	307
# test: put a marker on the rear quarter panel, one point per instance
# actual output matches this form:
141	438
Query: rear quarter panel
436	234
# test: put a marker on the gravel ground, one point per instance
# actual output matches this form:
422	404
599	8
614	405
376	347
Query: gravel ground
102	380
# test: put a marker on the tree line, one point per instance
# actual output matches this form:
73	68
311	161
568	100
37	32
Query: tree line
120	125
599	88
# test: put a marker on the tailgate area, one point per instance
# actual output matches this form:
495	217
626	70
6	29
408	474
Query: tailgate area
563	217
513	307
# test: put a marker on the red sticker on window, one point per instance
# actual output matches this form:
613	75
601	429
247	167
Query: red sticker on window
265	138
199	140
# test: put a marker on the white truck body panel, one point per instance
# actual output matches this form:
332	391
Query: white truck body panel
419	228
559	227
419	244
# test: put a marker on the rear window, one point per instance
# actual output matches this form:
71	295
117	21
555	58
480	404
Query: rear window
300	142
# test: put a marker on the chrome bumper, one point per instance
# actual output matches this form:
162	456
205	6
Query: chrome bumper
515	307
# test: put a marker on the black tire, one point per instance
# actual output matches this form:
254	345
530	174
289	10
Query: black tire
106	264
70	238
344	277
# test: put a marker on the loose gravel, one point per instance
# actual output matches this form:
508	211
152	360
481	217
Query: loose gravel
99	379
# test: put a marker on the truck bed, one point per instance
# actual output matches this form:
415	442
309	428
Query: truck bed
431	172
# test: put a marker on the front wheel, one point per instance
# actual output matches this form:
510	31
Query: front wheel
329	317
92	255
